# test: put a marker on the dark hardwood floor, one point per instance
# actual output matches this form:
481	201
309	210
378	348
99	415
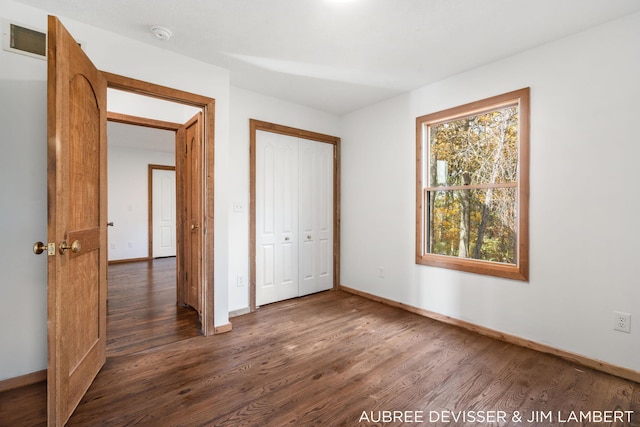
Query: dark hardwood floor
330	359
141	308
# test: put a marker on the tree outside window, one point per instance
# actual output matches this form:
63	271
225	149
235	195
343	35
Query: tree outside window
472	187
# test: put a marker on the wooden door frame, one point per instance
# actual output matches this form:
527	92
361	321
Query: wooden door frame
207	106
254	127
151	168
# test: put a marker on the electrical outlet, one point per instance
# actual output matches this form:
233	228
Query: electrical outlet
240	280
381	272
621	321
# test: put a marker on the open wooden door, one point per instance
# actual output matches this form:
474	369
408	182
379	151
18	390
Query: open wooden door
77	223
189	167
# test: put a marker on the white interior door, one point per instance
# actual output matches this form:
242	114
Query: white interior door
315	216
294	217
276	217
164	212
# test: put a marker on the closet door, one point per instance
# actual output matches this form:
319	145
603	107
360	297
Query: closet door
276	217
294	217
315	216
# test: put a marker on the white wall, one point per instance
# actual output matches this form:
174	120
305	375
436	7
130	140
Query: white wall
23	200
247	105
583	220
23	221
23	207
129	200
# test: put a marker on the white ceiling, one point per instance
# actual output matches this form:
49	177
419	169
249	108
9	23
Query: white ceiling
340	55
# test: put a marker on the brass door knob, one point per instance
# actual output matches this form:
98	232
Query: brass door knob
194	227
39	247
75	247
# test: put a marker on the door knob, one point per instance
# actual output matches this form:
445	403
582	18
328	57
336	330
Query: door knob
110	224
75	247
39	247
194	227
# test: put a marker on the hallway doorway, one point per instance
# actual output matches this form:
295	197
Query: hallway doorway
196	265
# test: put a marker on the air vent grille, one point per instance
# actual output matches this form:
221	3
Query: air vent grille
24	40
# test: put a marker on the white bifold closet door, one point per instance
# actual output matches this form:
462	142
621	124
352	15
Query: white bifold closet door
294	217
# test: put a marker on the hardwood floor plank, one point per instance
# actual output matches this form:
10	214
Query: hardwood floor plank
24	406
321	360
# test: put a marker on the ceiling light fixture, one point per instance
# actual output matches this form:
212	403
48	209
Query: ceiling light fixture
161	32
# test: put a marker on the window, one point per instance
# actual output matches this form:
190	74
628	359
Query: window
472	193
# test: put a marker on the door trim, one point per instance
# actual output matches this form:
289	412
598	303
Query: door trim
254	127
142	121
207	105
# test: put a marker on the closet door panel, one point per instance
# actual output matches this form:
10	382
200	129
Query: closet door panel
316	216
276	217
286	178
325	217
266	290
306	215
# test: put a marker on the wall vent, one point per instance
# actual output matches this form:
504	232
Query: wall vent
24	40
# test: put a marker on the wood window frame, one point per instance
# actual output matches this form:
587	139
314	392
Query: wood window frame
519	270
